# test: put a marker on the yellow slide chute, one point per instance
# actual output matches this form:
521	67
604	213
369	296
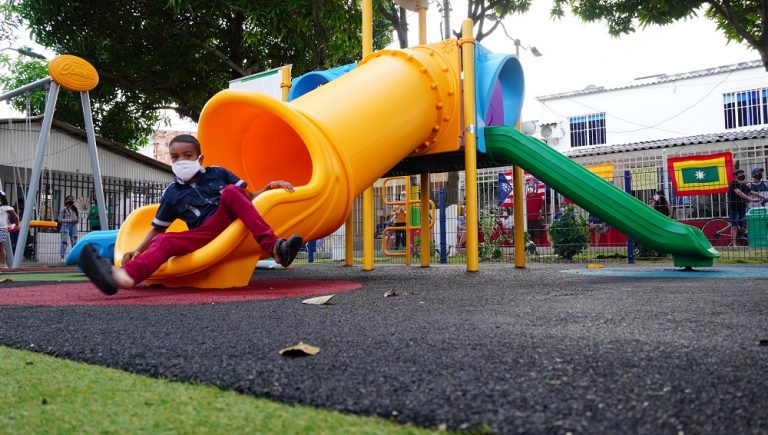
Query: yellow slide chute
331	144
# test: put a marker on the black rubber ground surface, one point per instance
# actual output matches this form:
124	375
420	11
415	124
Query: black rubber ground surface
532	351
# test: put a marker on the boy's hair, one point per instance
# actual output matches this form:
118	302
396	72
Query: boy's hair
3	198
187	138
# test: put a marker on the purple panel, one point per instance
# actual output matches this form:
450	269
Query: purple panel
495	114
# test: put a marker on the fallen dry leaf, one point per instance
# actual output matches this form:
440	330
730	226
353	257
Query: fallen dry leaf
299	349
390	293
320	300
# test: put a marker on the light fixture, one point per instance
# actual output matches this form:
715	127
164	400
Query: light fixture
26	52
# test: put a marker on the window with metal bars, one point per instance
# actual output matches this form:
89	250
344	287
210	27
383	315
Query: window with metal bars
587	130
745	108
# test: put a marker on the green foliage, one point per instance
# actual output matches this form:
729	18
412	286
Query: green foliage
115	120
742	21
417	244
489	224
569	234
477	11
25	72
160	54
9	22
530	247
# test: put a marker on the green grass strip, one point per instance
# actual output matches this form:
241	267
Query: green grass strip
43	276
43	394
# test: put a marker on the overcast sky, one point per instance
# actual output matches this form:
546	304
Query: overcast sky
577	54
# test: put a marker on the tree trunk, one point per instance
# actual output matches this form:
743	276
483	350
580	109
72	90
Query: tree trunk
452	188
402	28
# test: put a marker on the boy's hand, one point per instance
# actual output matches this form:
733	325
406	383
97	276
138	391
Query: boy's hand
128	256
281	185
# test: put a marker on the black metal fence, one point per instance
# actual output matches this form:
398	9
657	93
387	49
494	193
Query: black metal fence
43	245
604	244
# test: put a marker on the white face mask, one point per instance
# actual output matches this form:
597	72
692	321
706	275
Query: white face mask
186	169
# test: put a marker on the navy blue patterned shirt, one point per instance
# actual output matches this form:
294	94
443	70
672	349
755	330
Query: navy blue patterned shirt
195	202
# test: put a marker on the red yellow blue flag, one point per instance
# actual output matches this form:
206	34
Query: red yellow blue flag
698	175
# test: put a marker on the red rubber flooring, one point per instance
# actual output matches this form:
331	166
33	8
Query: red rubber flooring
85	293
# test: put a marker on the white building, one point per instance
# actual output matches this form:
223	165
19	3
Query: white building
626	134
724	99
129	179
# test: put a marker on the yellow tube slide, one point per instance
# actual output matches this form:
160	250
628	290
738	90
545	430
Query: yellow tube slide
330	144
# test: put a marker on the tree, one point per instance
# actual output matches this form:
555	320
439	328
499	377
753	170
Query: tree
9	22
479	10
743	21
161	54
397	18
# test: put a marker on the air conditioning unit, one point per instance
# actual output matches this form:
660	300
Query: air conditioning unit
528	127
551	131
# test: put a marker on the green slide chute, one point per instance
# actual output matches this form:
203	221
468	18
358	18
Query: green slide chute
688	245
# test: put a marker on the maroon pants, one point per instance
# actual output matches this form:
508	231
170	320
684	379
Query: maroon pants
234	204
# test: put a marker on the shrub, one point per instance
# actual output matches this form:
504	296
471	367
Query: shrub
643	251
489	222
569	234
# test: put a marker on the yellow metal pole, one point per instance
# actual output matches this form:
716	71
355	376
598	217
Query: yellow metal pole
422	23
519	193
368	218
426	234
470	143
349	240
285	81
407	206
518	190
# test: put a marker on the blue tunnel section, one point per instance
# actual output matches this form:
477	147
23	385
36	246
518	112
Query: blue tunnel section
499	91
314	79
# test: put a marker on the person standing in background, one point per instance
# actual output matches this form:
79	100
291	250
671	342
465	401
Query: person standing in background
738	197
397	219
759	189
93	215
6	214
68	218
535	217
660	204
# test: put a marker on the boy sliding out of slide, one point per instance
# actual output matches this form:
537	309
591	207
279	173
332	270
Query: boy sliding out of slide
208	200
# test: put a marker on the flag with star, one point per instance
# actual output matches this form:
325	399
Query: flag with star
534	188
698	175
505	189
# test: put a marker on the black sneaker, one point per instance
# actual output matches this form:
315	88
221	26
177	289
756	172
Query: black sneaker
287	249
98	270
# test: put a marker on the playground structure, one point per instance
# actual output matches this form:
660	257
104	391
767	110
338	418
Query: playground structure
334	152
334	141
412	213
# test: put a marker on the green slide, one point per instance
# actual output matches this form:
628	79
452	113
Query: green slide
688	245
